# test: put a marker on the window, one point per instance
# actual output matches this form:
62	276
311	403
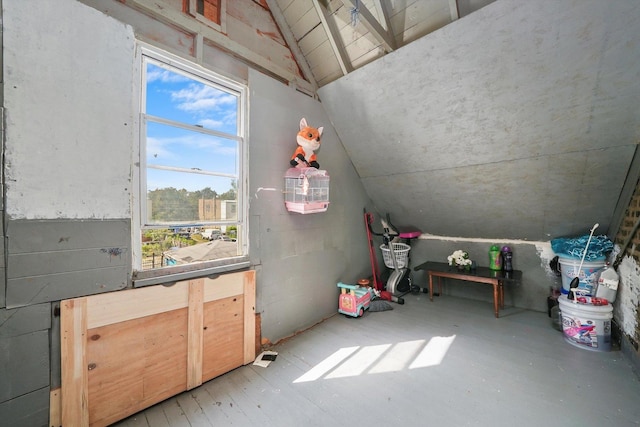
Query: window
192	161
210	12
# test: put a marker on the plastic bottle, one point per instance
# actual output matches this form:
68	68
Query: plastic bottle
608	283
495	260
507	258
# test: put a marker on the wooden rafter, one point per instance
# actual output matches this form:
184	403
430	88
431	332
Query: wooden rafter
298	56
334	38
384	8
186	23
371	24
453	9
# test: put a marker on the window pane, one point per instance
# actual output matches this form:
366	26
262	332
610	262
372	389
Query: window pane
176	147
182	197
185	245
174	96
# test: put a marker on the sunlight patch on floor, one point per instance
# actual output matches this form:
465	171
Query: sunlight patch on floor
327	364
433	353
399	357
359	362
375	359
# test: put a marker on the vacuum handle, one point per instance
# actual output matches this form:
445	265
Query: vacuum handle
369	221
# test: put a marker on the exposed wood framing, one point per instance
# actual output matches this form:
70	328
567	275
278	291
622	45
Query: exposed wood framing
249	292
453	8
199	48
195	343
371	24
175	17
288	36
333	34
75	394
384	8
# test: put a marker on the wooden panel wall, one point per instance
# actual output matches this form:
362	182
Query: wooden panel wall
125	351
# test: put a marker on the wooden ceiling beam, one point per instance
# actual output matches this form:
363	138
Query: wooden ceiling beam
384	8
334	38
453	9
191	26
371	24
288	36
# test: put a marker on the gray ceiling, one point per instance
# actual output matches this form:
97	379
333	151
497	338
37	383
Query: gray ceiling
519	121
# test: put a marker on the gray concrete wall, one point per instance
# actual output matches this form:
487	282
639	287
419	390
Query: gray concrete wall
518	121
300	257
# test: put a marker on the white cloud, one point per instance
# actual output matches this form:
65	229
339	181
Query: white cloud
160	74
201	98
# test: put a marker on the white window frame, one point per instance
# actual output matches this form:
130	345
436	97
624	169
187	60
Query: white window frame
205	268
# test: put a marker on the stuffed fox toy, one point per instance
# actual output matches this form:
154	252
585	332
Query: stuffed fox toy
308	140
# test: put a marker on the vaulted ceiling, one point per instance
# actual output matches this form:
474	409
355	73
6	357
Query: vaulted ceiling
331	38
528	110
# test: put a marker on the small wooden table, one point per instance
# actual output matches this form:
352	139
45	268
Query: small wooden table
479	275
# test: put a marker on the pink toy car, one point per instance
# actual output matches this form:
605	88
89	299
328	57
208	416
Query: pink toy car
353	300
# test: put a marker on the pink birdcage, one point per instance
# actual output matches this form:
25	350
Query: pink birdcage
306	190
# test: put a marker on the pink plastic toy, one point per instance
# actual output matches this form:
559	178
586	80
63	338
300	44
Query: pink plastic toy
353	300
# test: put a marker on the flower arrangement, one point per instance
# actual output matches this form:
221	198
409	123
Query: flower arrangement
459	258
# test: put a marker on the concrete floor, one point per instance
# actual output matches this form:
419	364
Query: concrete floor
449	362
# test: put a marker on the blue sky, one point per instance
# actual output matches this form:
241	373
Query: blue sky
176	97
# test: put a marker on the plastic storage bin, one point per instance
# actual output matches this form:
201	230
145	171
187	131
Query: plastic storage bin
588	275
586	326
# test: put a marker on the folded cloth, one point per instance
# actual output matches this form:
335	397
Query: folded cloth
379	305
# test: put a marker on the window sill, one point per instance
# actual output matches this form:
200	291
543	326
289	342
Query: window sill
170	275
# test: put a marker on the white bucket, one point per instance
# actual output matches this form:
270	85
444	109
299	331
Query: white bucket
586	326
588	275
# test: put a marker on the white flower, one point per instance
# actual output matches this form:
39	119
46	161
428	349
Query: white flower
459	257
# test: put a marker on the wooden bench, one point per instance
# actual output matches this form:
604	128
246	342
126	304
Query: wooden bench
478	275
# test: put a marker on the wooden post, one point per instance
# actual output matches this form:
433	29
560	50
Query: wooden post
195	333
74	390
